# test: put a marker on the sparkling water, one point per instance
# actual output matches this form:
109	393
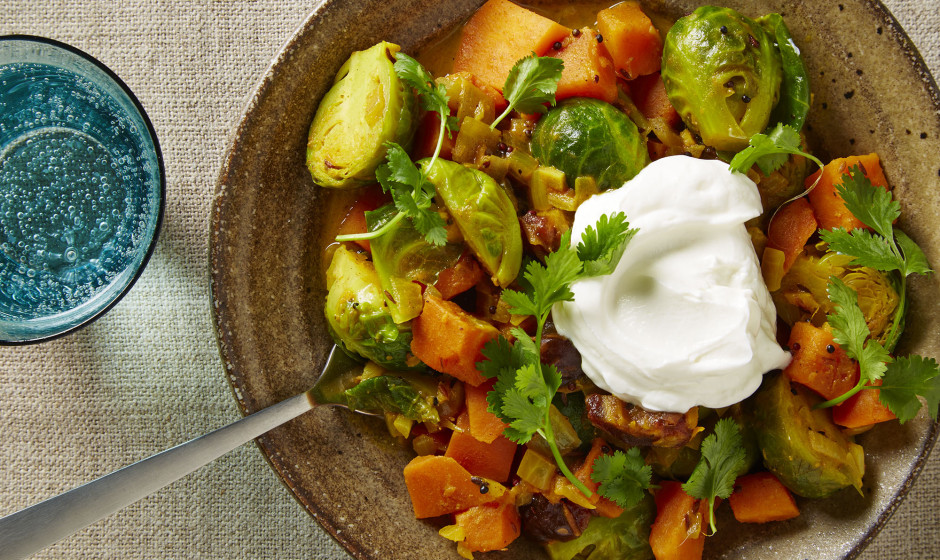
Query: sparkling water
75	205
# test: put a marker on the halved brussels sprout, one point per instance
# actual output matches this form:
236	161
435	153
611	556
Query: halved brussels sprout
722	74
589	138
484	214
803	292
626	537
802	446
367	106
395	395
357	315
402	256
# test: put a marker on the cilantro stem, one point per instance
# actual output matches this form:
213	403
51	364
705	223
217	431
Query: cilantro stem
549	436
372	234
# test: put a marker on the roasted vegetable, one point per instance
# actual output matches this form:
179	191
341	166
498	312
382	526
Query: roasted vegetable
628	425
722	73
357	314
621	538
395	395
367	106
803	294
589	138
800	445
484	214
403	257
793	104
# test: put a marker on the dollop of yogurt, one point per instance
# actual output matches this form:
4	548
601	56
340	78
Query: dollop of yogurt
685	319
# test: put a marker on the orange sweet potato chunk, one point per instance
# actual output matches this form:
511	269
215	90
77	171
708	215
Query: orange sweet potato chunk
830	374
827	204
669	535
491	460
631	38
862	409
439	485
588	70
499	34
484	425
790	229
490	526
450	340
761	497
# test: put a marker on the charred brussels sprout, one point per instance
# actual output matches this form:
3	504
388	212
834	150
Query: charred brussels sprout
807	452
484	214
622	538
589	138
367	106
357	315
722	73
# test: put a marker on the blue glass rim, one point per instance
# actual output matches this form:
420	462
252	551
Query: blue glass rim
161	179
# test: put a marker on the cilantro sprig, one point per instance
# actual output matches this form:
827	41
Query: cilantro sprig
723	459
524	388
622	477
887	250
412	192
771	150
532	82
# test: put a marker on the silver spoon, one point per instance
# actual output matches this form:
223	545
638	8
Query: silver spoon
27	531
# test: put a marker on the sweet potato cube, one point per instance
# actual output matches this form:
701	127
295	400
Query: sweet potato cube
862	409
649	95
790	229
827	204
829	373
631	38
439	485
677	533
484	425
490	526
448	339
588	70
490	460
761	497
499	34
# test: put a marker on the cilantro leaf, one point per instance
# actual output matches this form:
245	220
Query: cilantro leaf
433	96
770	151
872	205
850	331
904	380
524	389
723	458
869	250
915	261
412	194
531	83
600	250
622	477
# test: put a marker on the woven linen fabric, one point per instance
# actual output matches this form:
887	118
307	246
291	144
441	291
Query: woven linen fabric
147	375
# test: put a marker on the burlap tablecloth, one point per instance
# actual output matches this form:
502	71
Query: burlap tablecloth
147	376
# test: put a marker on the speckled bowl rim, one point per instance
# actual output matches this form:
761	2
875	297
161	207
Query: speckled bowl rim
263	89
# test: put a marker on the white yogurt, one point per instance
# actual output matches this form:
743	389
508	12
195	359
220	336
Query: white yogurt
686	318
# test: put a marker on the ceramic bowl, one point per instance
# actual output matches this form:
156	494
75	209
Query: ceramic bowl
871	93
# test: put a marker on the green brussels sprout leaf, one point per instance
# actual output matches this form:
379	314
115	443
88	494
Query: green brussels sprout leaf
392	394
626	537
793	105
484	214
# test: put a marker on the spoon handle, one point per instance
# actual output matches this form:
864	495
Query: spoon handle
28	530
